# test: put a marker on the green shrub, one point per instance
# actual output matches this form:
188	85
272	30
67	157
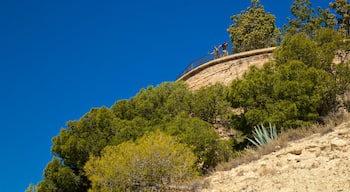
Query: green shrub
154	162
262	136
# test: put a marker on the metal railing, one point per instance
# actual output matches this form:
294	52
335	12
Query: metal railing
202	60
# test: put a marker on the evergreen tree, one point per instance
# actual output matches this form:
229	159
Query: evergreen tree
206	143
342	9
210	104
299	86
168	107
253	29
153	162
303	19
327	18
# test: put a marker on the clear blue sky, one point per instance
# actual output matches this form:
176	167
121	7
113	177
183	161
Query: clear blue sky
58	59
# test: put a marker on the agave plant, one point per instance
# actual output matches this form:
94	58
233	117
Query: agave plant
262	136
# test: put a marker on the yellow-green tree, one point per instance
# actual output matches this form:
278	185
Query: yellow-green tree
154	162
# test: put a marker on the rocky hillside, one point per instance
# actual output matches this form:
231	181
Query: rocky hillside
316	163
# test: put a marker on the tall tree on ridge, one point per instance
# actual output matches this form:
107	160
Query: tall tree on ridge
253	29
342	9
304	18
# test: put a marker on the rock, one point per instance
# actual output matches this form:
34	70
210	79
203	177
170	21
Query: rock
296	151
336	142
318	163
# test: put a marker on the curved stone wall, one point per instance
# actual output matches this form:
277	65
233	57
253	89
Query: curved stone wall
224	70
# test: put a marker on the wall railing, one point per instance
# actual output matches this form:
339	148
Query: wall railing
199	66
202	60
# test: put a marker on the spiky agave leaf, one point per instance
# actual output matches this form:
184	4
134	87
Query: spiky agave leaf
262	136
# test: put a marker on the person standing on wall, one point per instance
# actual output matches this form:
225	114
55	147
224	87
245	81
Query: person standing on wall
224	48
215	52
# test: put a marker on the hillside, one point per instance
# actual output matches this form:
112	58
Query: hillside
316	163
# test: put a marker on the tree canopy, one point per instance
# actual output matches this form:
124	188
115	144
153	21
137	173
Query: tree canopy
253	29
305	19
298	87
170	108
165	135
342	10
154	162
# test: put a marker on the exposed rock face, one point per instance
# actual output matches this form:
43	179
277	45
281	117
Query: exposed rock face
313	164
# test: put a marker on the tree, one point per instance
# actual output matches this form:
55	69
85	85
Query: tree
60	178
327	18
206	143
154	162
253	29
301	84
210	104
128	120
288	95
155	104
299	47
342	9
72	148
304	19
32	188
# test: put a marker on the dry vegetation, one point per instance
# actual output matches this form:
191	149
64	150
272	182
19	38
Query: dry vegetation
253	154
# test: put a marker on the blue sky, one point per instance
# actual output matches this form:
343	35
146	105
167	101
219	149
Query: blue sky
59	59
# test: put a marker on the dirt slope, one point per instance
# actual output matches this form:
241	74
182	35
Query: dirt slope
317	163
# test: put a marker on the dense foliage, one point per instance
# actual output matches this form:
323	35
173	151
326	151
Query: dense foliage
170	108
297	88
305	19
154	162
253	29
177	126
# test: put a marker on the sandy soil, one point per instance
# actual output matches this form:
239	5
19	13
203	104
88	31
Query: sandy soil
316	163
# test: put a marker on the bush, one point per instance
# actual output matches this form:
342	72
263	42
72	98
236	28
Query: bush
154	162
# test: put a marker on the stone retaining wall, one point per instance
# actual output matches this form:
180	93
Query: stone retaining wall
226	69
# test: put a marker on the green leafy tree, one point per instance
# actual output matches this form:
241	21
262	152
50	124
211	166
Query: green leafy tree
327	18
206	143
301	84
210	104
128	120
60	178
307	87
342	9
299	47
342	77
155	162
86	136
254	89
156	103
289	95
253	29
72	147
304	19
330	42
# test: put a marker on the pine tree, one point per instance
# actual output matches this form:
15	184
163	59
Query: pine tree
253	29
342	9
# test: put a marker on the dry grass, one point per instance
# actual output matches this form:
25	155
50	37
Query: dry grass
253	154
282	141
